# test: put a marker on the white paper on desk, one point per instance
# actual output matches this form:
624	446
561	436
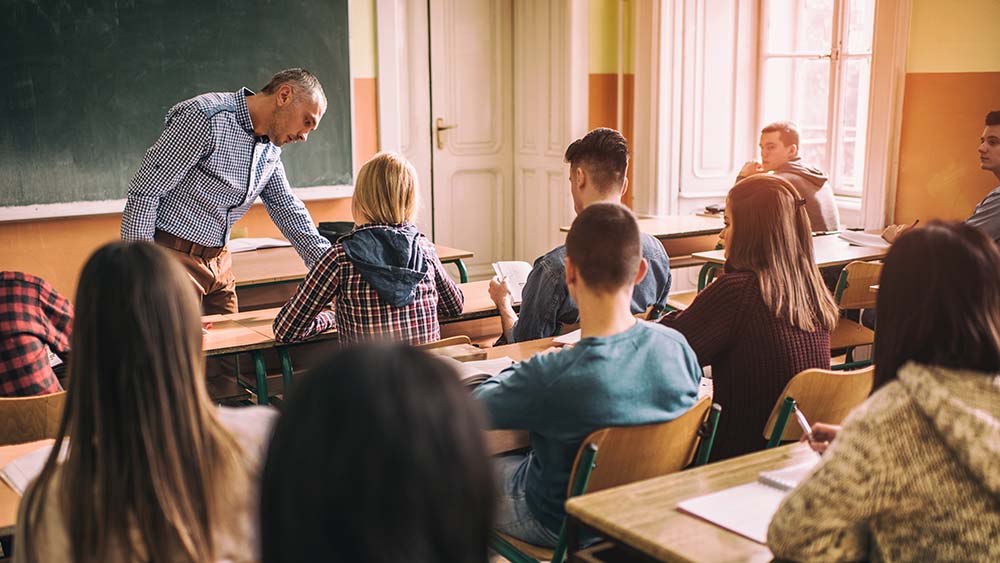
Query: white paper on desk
516	274
248	244
858	238
567	339
18	473
747	509
475	372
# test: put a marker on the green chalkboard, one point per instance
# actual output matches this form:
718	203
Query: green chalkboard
86	84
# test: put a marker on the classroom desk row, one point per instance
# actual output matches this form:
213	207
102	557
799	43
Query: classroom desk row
252	332
681	235
500	441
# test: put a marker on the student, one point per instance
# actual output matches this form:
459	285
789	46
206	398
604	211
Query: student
379	457
152	471
384	277
623	372
217	154
914	475
767	318
34	319
779	154
597	165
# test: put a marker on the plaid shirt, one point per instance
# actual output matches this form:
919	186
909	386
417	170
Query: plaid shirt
196	181
359	313
32	316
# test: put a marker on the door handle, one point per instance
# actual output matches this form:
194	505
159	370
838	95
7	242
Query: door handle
439	126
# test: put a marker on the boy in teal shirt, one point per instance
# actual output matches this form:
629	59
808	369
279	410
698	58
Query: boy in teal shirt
623	372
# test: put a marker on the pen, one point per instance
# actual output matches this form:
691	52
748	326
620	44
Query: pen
801	418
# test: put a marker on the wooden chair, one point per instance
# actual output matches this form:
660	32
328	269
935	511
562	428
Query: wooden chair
628	454
26	419
681	300
854	293
822	395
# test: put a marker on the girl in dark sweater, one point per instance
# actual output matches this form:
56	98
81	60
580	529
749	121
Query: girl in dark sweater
767	318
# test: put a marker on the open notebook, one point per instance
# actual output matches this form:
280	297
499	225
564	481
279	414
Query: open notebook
248	244
858	238
19	472
475	372
748	509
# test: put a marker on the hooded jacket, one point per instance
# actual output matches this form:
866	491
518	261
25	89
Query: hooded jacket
812	185
390	259
914	475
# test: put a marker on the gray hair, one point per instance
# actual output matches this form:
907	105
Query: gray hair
300	79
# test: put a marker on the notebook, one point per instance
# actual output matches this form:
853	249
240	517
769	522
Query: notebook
475	372
748	509
858	238
18	473
516	274
248	244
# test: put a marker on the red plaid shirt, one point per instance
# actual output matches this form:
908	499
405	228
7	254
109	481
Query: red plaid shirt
33	315
359	313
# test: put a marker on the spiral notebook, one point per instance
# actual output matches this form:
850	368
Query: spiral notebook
748	509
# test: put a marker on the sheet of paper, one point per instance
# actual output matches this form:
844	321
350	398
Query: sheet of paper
567	339
858	238
789	477
20	472
746	510
516	274
248	244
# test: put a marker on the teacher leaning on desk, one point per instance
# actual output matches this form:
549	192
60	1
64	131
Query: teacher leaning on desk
217	153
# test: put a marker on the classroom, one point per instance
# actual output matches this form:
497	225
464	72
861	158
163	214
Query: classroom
500	281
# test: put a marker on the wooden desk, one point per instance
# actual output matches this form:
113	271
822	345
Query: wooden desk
9	500
682	235
828	250
644	517
277	265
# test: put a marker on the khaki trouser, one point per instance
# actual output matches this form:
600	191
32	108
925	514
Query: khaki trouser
212	275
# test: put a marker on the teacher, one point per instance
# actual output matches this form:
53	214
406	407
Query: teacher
218	152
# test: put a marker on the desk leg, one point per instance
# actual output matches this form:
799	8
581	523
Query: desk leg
286	369
463	274
258	360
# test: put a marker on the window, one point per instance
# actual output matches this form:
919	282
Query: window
815	70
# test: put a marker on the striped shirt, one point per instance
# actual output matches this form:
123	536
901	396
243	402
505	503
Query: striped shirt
359	313
206	170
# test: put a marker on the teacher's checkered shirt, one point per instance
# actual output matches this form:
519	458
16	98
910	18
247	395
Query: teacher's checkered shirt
195	182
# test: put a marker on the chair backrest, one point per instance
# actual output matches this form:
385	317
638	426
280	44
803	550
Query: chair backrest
632	453
450	341
854	286
823	396
26	419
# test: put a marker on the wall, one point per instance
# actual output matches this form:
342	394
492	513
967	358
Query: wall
611	34
56	249
952	81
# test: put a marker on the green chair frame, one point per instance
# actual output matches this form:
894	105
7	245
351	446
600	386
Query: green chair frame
581	477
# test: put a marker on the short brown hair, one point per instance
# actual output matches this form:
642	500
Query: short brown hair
993	118
939	301
603	244
771	236
301	80
789	132
386	189
604	154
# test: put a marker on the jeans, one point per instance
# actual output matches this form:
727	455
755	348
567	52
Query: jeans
514	517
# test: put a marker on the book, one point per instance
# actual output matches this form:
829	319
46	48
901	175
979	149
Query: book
516	274
248	244
747	509
20	472
475	372
858	238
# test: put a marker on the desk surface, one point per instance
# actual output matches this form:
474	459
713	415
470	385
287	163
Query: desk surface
829	250
644	515
677	226
9	500
276	265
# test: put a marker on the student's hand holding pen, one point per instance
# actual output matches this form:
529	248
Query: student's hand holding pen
892	232
500	292
820	436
